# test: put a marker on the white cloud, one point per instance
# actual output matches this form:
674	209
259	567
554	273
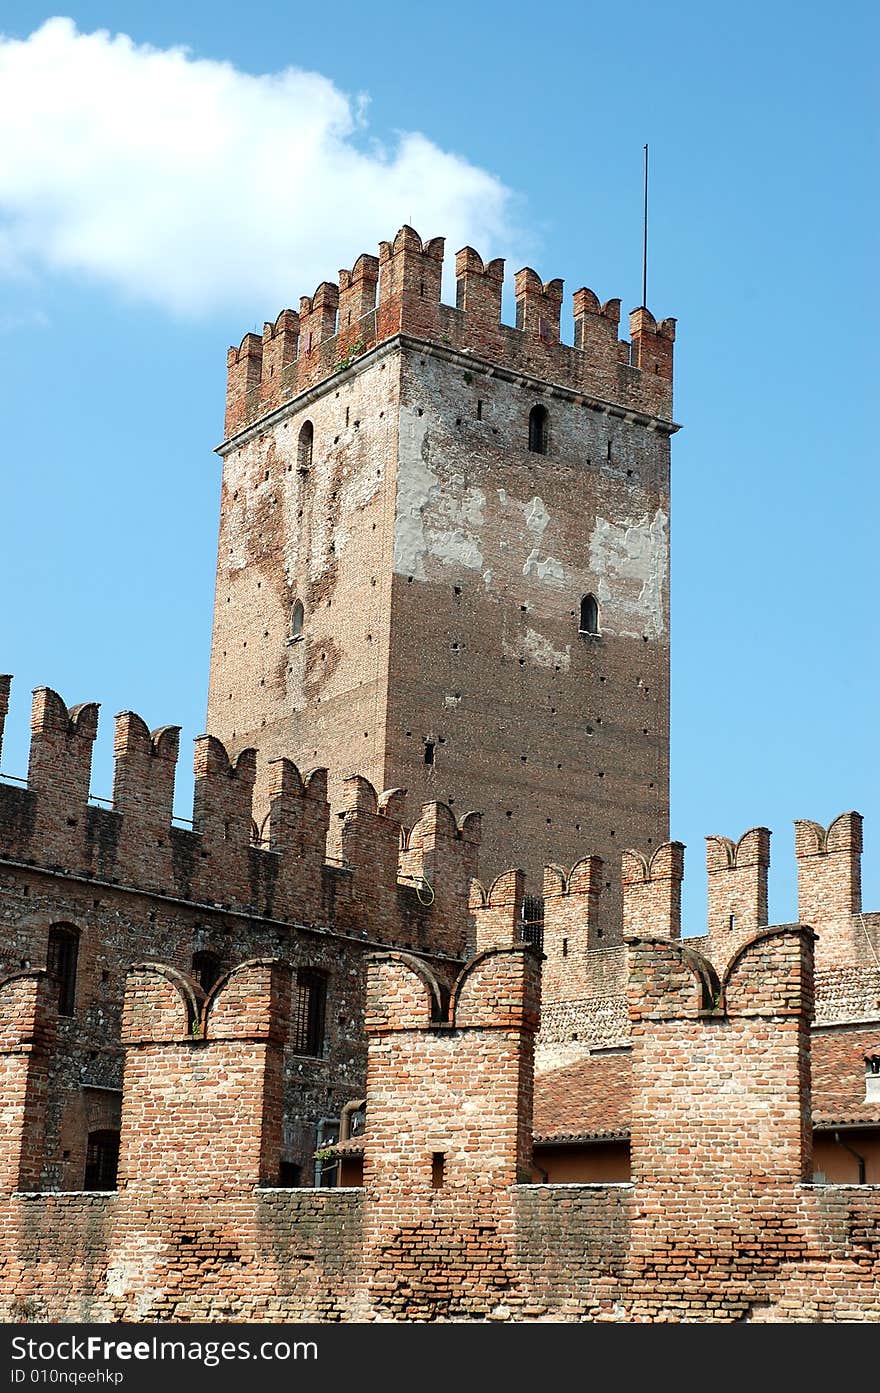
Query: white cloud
191	184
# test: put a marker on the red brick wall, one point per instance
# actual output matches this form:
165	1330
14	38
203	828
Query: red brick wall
720	1230
203	1089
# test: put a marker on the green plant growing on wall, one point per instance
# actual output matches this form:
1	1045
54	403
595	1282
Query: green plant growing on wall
353	351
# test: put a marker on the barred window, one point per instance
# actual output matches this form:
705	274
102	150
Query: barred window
309	1012
102	1160
532	925
61	964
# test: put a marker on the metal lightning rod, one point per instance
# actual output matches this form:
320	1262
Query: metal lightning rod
645	239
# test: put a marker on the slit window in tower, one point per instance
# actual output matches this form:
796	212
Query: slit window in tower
304	447
61	964
297	615
589	621
429	751
538	421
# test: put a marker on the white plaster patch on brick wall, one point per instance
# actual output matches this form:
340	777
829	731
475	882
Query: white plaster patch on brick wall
542	652
129	1278
238	470
630	561
445	522
416	486
458	543
538	564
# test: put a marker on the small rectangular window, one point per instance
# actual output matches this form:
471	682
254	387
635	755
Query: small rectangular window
61	965
309	1012
532	921
438	1168
102	1160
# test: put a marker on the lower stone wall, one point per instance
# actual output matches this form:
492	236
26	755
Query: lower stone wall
276	1255
570	1253
572	1242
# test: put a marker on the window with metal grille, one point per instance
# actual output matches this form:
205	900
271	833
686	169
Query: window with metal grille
61	964
532	923
310	1004
102	1160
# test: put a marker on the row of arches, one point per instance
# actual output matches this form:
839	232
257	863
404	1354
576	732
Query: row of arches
62	958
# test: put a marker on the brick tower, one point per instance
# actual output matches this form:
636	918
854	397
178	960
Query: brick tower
443	557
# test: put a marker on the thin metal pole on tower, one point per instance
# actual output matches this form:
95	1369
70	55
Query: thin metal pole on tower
645	239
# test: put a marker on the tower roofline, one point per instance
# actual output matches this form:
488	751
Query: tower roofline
445	353
399	293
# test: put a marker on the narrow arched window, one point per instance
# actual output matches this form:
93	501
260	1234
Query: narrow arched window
589	615
304	448
297	615
206	969
102	1160
61	965
538	421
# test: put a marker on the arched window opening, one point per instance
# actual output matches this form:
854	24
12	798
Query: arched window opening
304	448
297	616
206	969
61	964
102	1160
589	623
538	422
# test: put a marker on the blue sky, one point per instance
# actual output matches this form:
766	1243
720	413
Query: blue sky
156	206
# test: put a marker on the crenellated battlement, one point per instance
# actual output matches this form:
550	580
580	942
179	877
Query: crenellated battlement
398	293
583	961
205	1072
262	838
454	1219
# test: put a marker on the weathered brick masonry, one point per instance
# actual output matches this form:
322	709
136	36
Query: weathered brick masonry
442	571
720	1221
717	1225
127	883
405	547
